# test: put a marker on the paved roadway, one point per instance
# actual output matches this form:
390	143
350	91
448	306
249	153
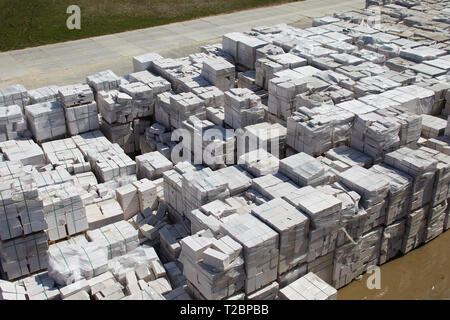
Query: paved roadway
70	62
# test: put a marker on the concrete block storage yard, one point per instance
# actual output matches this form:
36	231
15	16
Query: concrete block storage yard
281	163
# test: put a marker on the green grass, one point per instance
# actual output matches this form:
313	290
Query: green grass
28	23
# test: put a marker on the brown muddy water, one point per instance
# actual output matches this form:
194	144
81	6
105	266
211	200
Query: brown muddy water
423	273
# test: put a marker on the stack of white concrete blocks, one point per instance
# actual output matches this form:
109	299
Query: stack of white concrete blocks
209	143
14	95
293	229
373	189
46	121
242	108
219	72
173	189
423	170
119	238
392	240
268	136
64	153
79	107
12	291
324	212
375	135
64	211
184	105
410	123
315	131
282	94
103	81
108	160
44	94
259	163
351	213
200	187
103	213
242	48
214	267
12	123
152	165
142	95
24	255
433	127
116	109
25	151
41	287
260	249
308	287
354	258
74	261
398	200
269	65
304	170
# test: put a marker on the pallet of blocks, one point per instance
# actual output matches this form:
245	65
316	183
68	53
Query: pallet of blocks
173	194
103	213
44	94
373	189
14	94
259	163
46	120
354	258
398	200
118	238
213	267
260	249
21	212
184	105
304	170
308	287
152	165
200	187
324	212
242	48
12	291
115	106
79	107
242	108
352	215
64	211
315	131
108	160
120	133
64	153
103	81
292	227
142	95
24	255
23	150
41	287
268	136
392	240
12	123
77	261
219	72
282	95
